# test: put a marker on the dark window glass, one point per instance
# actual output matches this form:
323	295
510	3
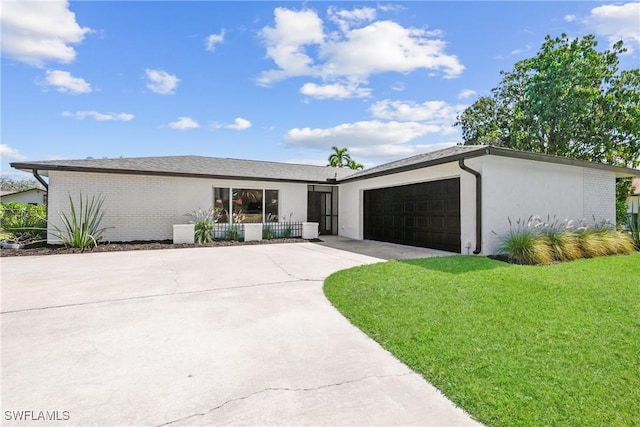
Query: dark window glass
247	205
221	203
271	205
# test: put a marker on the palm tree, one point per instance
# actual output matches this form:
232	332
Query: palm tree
355	165
339	158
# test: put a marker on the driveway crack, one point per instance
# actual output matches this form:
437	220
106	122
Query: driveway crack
270	389
284	270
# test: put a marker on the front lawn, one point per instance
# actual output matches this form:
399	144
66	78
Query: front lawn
512	345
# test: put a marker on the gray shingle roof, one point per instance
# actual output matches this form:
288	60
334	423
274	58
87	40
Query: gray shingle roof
199	166
421	160
195	166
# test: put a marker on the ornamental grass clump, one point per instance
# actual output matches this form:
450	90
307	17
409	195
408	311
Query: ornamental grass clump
536	242
82	228
562	239
524	244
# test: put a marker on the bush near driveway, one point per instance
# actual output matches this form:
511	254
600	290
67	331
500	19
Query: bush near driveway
513	345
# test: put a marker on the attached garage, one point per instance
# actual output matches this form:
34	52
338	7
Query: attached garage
426	214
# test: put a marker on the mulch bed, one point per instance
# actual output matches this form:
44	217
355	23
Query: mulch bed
44	249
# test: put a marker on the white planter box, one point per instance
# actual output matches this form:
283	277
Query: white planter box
309	230
184	233
252	232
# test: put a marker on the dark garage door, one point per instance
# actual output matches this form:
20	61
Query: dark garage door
425	214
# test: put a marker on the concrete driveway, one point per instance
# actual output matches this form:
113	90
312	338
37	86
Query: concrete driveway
210	336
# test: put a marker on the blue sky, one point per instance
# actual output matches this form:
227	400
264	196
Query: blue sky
279	81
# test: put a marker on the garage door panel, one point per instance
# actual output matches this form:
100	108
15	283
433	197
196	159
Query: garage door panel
425	214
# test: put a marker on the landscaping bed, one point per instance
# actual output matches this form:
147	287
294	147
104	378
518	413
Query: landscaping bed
44	249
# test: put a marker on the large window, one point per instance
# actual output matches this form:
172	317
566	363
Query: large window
246	205
221	203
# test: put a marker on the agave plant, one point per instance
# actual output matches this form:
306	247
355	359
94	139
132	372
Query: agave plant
82	228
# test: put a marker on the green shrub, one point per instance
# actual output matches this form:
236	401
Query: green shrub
203	231
24	222
634	228
233	232
204	222
267	232
82	229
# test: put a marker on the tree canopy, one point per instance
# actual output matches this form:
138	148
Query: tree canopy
13	184
568	100
340	158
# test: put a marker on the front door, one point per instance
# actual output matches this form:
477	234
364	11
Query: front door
322	207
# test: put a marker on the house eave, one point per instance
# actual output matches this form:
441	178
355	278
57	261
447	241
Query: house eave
54	168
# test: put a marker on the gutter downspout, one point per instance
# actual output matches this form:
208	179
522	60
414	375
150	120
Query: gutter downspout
478	204
39	178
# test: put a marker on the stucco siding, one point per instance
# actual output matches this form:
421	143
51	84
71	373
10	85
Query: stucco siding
140	207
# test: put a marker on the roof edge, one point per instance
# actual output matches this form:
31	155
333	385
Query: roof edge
483	151
621	172
58	168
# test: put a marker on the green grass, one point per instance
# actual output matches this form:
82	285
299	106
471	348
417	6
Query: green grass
512	345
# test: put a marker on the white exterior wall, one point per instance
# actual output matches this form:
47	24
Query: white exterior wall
350	212
516	189
511	188
31	196
141	207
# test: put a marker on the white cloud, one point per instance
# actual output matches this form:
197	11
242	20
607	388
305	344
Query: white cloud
35	32
213	40
570	18
335	91
161	82
617	22
238	124
430	112
64	82
345	19
360	134
467	93
286	40
184	123
100	117
11	153
299	46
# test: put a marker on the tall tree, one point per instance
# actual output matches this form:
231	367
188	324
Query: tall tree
340	158
569	100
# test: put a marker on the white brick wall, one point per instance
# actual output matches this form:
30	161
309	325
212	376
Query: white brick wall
140	207
599	189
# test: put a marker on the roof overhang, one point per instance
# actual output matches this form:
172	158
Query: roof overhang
619	172
44	169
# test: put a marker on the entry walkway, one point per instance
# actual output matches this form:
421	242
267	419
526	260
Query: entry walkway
380	250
